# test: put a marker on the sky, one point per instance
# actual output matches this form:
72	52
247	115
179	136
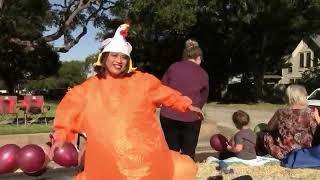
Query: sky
86	46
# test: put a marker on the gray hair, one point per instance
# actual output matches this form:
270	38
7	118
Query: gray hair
296	94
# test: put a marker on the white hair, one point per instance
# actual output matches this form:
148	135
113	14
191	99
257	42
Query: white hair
296	94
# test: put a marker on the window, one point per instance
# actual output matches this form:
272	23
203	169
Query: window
301	60
315	62
289	69
291	81
308	59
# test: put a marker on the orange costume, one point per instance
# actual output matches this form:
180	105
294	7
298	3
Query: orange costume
124	138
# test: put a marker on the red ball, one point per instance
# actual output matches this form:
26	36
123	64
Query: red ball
8	160
31	158
46	150
67	155
218	142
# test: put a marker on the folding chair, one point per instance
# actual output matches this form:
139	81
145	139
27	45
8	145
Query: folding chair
1	108
34	108
9	107
25	106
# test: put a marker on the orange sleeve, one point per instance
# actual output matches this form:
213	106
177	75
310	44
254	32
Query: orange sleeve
164	95
68	119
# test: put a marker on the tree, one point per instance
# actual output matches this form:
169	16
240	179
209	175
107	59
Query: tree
238	36
158	30
66	17
24	19
219	32
310	79
70	74
273	28
251	37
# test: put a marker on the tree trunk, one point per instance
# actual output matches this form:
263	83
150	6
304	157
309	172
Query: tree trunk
260	70
10	85
258	81
224	90
1	4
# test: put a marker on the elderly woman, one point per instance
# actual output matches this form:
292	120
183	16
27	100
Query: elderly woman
291	127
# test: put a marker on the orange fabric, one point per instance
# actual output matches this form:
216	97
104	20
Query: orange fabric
184	167
124	139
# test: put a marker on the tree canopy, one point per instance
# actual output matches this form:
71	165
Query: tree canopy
248	37
310	79
237	36
66	17
24	19
70	74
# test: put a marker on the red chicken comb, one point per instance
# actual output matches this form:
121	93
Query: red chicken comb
124	33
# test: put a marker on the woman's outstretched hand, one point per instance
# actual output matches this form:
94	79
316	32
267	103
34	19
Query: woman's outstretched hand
197	111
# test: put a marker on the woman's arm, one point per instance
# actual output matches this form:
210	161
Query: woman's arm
164	95
68	119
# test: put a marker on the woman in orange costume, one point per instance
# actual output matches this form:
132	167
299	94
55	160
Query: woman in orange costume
116	109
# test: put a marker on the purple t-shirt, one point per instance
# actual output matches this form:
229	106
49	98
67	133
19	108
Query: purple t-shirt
192	81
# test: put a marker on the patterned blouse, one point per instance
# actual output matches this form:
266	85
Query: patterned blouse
289	129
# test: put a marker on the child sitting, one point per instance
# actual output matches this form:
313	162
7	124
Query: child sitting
243	143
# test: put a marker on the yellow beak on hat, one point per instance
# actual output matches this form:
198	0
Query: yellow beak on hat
131	68
98	62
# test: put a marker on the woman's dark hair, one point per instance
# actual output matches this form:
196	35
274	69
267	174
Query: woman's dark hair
101	70
240	118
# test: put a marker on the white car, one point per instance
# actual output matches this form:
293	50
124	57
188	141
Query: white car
314	98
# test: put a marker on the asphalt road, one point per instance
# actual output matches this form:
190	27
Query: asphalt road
219	120
223	116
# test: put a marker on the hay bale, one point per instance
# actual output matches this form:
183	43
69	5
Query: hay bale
267	172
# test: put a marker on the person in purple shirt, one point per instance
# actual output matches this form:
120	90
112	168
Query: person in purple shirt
182	130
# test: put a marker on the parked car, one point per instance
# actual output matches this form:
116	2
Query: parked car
314	98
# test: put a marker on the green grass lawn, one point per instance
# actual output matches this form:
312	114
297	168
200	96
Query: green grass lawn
22	129
41	128
33	128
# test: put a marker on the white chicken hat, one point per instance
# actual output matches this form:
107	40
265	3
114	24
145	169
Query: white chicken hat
117	44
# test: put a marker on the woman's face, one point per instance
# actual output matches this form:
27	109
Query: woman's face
116	64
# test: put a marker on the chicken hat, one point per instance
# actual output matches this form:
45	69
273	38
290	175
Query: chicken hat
118	44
